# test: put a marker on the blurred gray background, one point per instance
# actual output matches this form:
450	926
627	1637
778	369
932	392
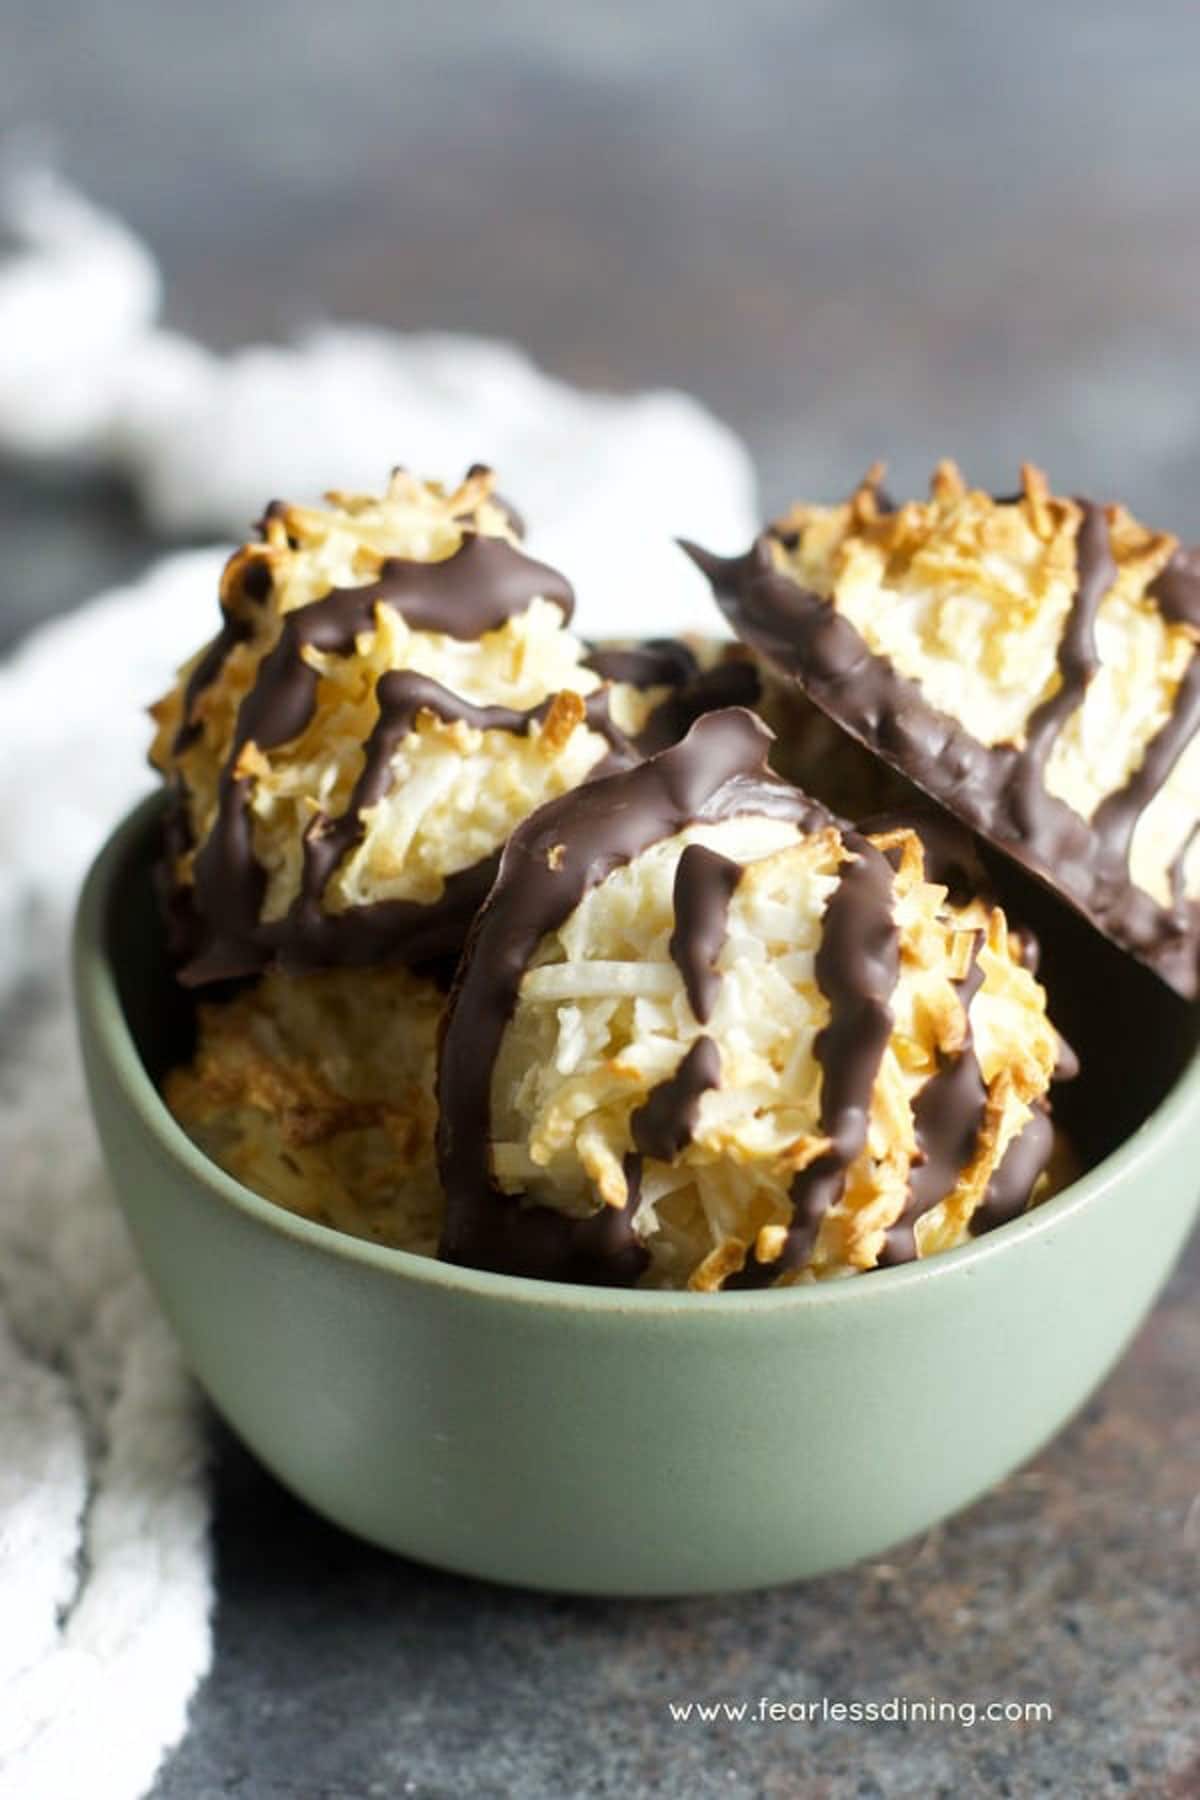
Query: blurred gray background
856	229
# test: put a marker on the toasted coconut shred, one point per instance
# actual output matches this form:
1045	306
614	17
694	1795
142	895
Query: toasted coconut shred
604	1020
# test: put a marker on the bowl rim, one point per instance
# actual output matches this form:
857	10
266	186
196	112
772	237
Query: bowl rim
98	1001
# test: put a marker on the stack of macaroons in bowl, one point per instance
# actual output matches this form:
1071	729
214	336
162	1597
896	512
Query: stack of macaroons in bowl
550	958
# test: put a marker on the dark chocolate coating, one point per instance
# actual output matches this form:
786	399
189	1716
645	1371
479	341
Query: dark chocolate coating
1177	588
1008	1191
998	790
857	967
233	631
1077	663
665	1124
255	585
947	1116
704	885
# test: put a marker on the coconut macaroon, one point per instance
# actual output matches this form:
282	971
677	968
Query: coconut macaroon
1031	662
394	686
706	1036
316	1090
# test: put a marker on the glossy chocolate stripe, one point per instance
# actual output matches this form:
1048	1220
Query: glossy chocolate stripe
857	966
1177	588
233	631
947	1117
1012	1184
250	577
1078	660
424	935
666	1123
704	885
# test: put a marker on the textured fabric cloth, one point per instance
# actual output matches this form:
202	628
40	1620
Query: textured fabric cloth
105	1586
104	1563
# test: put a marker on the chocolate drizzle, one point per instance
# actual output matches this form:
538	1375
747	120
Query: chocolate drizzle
658	662
857	966
552	860
250	577
475	591
1009	1190
666	1123
484	583
998	790
947	1116
1177	589
233	631
704	885
1095	572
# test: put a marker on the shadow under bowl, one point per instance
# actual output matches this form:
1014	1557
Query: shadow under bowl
603	1441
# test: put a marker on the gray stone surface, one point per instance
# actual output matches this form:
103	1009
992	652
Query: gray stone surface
856	229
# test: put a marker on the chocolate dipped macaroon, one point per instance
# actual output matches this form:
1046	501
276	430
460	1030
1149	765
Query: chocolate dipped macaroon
394	686
705	1035
1030	662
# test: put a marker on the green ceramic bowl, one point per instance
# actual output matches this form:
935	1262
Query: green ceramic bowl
612	1442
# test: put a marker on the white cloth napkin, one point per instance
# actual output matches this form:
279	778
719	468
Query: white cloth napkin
105	1588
